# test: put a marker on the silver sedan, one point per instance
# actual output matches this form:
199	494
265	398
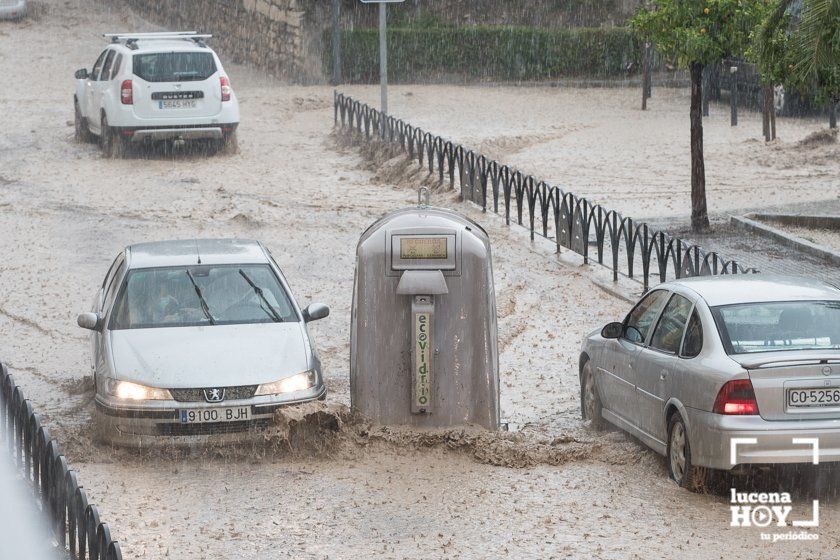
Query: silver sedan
718	373
196	339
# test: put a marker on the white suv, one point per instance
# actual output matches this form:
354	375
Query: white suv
12	9
147	87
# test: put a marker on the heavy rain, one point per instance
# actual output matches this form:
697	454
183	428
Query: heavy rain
216	397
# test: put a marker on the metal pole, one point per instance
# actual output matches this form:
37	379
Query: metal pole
383	57
645	75
733	96
336	40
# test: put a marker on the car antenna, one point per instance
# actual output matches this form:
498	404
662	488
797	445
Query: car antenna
195	241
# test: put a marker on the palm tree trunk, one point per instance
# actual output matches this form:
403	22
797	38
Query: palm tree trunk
699	211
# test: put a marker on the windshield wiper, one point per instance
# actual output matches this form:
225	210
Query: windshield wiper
257	290
204	307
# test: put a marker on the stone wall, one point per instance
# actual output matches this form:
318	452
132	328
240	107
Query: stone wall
269	34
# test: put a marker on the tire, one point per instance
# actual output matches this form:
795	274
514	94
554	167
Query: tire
82	132
590	400
678	456
102	430
229	145
109	140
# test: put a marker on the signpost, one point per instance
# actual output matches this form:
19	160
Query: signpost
336	39
733	96
383	50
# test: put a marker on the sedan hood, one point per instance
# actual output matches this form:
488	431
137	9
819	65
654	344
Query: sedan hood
211	356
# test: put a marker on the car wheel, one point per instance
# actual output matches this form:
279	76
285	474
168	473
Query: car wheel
590	400
680	468
112	145
102	428
230	143
82	132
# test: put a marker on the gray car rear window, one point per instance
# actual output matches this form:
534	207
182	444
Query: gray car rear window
174	66
693	340
776	326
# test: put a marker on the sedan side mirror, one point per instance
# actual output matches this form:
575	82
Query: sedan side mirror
612	330
315	311
88	321
81	74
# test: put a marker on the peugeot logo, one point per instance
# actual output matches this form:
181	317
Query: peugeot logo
214	395
826	370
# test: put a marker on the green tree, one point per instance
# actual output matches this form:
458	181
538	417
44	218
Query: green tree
697	33
804	53
772	55
769	48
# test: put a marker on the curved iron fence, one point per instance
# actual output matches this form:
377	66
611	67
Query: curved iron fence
620	243
74	521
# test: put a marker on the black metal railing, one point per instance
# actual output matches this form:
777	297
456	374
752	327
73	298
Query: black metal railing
75	522
570	221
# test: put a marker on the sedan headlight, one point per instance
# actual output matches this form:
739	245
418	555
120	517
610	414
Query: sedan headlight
128	391
291	384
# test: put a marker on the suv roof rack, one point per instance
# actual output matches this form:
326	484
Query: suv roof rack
130	39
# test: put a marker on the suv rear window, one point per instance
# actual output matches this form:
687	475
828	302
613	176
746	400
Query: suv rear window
174	66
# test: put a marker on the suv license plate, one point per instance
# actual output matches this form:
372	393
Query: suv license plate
177	104
205	415
816	397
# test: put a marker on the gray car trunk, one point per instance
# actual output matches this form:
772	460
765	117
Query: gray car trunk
813	374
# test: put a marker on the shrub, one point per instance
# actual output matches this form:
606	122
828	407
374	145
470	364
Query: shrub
490	53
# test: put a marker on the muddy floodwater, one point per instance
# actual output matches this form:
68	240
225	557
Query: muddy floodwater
552	488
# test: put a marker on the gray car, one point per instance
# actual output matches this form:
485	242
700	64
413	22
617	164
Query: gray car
700	362
197	339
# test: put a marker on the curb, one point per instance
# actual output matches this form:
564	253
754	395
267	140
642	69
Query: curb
613	290
786	239
809	221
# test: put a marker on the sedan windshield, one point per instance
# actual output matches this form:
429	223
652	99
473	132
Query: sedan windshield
201	295
773	326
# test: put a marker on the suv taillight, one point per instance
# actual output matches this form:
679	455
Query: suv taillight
226	89
126	93
736	397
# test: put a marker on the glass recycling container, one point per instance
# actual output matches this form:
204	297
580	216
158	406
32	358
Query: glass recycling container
424	337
